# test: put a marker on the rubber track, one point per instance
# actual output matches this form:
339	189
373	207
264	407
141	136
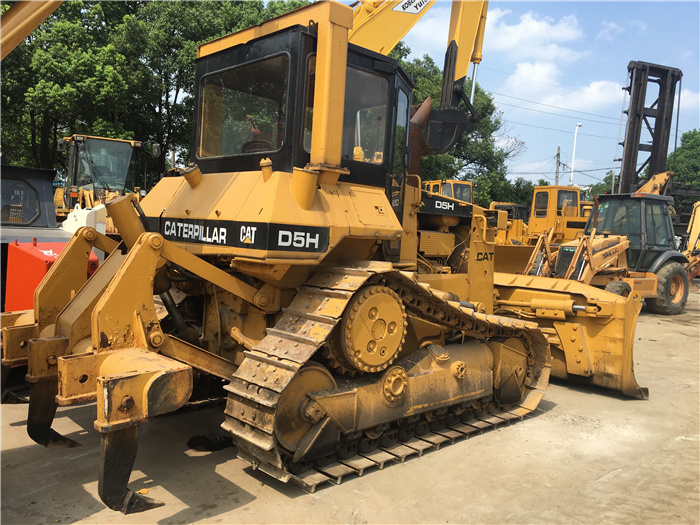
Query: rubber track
267	369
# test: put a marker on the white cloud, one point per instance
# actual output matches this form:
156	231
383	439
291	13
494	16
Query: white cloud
608	31
528	82
690	100
533	36
638	25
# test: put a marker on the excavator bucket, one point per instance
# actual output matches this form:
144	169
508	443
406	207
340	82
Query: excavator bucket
590	331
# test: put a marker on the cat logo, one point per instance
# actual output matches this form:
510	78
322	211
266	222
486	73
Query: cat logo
248	234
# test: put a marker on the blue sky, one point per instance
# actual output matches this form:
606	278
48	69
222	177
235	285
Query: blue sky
551	65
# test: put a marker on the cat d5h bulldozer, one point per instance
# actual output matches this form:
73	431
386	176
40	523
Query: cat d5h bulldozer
299	263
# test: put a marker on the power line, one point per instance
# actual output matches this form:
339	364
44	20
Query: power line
561	130
543	161
555	107
555	114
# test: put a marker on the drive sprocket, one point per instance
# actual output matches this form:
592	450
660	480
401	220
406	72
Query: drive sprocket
373	329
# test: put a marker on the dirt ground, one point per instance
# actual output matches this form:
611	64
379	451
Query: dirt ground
582	457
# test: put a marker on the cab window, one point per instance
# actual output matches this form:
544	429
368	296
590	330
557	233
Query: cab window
541	202
365	117
566	198
364	122
20	203
243	109
463	192
401	135
658	231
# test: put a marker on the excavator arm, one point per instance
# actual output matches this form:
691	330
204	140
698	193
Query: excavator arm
693	230
396	18
693	264
20	20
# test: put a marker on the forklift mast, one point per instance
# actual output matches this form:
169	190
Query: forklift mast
655	117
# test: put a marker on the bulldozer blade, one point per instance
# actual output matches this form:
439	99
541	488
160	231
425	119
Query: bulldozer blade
42	409
117	455
591	331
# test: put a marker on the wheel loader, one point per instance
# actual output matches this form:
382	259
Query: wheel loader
351	317
98	168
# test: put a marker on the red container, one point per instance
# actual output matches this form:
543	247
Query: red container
27	263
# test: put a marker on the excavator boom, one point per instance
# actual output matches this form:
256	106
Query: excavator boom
21	19
396	18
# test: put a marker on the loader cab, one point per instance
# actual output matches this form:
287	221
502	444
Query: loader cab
100	164
255	100
645	219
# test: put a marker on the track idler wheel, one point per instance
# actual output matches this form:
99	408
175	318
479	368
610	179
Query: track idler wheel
117	454
42	410
373	329
296	424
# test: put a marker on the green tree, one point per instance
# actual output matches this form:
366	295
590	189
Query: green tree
685	162
65	76
603	187
523	190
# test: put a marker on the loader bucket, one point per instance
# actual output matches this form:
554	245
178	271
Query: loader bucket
590	331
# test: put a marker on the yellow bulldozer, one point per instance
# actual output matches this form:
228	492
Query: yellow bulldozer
462	190
298	262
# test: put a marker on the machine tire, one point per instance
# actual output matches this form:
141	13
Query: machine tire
621	288
671	289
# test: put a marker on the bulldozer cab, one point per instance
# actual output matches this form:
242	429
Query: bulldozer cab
645	219
556	207
256	100
457	189
551	202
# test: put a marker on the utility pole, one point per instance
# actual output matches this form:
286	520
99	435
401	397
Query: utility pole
556	175
573	155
